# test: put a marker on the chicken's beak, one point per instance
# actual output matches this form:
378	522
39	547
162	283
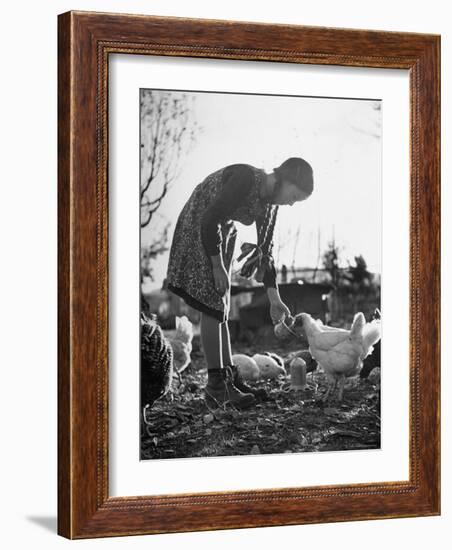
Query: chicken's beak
298	323
298	320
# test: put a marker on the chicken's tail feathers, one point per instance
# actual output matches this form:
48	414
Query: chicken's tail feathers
359	321
371	334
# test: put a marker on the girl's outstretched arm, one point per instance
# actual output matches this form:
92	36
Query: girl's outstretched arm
278	309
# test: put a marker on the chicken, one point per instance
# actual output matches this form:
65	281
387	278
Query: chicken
339	352
181	343
375	376
246	366
374	359
269	368
156	363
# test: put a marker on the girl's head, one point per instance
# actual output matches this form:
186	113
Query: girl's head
294	181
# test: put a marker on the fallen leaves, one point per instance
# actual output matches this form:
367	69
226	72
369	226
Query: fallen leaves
208	418
289	422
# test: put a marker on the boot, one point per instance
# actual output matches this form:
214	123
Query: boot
220	390
240	384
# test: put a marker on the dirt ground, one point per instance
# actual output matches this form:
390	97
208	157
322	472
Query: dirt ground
181	425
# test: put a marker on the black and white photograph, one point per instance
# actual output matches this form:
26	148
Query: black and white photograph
232	214
260	273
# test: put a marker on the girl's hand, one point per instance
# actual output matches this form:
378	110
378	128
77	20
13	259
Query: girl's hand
221	279
278	311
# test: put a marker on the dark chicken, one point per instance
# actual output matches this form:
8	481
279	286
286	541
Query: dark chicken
156	363
373	360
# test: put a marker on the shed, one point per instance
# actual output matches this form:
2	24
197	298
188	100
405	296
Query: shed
299	297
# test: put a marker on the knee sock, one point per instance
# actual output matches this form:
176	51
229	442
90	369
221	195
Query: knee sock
211	341
226	344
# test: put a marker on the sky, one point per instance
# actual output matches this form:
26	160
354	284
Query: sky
339	137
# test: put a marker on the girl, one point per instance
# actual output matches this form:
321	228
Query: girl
199	268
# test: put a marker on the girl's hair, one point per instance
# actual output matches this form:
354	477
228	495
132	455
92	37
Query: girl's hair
297	171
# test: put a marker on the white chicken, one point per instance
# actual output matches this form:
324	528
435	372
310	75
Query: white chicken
246	366
181	342
339	352
269	368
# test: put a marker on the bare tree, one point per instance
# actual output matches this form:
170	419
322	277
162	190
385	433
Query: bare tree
168	131
150	252
330	261
358	274
364	290
314	275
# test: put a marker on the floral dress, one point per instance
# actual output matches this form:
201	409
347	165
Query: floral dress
205	227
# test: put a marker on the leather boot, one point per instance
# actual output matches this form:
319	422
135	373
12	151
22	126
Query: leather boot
221	390
239	383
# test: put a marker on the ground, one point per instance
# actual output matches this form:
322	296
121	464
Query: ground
290	422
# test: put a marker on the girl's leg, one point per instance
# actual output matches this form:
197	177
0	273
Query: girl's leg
219	389
238	381
211	341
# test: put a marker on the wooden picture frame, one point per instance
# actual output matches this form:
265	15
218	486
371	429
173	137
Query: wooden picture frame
85	41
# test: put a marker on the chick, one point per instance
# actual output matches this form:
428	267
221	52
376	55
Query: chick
181	343
246	366
276	357
269	368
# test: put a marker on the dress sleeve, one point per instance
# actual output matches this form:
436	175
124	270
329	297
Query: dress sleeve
237	182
